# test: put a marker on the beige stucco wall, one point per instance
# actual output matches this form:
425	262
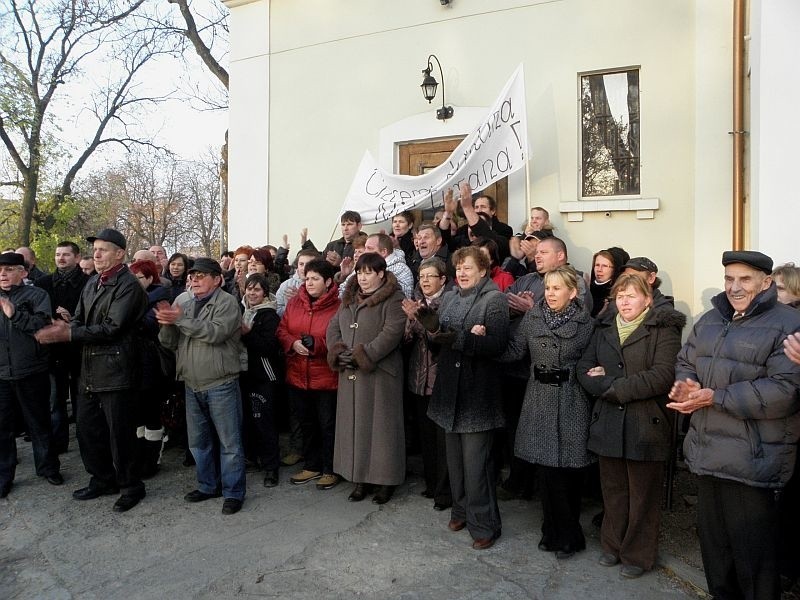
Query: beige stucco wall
341	73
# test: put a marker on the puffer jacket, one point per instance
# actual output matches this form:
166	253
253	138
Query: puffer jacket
630	419
106	323
303	317
20	354
467	393
749	434
208	347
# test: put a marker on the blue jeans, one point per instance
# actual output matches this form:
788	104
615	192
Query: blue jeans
218	409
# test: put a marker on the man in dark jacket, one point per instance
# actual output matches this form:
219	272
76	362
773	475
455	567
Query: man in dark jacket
336	250
742	392
24	384
64	288
111	304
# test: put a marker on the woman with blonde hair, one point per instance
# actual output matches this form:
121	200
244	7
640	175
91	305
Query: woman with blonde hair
554	421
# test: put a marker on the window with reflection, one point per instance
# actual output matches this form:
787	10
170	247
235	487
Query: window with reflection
610	133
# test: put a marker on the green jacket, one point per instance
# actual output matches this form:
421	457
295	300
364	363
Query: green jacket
207	348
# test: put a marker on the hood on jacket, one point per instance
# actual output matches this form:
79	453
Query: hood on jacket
662	317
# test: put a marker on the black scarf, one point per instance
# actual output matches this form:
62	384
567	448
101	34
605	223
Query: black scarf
554	319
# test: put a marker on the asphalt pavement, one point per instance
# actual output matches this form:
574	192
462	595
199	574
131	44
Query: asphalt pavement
292	542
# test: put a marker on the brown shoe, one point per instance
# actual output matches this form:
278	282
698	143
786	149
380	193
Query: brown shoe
456	524
485	543
327	481
304	476
359	492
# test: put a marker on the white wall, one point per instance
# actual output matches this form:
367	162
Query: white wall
341	72
248	133
775	128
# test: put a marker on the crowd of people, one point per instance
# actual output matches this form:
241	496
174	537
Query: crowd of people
485	351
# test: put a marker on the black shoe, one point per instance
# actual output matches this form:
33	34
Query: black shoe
384	494
55	479
359	492
546	546
426	494
125	503
271	478
442	505
91	492
5	490
231	506
188	460
198	496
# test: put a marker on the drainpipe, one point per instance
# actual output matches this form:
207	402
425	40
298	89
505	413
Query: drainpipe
739	17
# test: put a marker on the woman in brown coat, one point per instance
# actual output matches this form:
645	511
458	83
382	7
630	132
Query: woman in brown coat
364	347
630	366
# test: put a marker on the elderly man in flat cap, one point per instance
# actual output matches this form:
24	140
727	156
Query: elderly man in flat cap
105	324
733	377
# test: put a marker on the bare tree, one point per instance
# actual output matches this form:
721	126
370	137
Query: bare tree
44	46
154	198
201	185
208	35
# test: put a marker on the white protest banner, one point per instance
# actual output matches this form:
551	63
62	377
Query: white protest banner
497	147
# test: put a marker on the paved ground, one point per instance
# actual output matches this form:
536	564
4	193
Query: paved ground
288	542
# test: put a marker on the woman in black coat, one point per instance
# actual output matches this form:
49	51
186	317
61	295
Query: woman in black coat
630	367
260	382
177	272
471	329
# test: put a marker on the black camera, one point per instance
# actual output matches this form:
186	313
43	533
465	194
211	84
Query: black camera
307	341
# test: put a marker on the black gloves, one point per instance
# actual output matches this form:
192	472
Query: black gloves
346	360
428	319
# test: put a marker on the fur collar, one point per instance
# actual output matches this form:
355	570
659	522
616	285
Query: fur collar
382	294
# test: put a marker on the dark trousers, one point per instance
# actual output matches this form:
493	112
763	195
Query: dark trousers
63	387
469	461
560	491
738	528
29	397
260	422
316	411
789	530
107	439
632	492
521	474
434	452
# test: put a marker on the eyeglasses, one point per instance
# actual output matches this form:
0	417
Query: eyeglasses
198	275
427	276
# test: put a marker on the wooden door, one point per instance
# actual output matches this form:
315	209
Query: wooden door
417	158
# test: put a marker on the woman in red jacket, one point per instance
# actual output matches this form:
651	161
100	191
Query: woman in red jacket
311	384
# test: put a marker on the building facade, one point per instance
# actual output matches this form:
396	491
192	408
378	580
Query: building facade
315	83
